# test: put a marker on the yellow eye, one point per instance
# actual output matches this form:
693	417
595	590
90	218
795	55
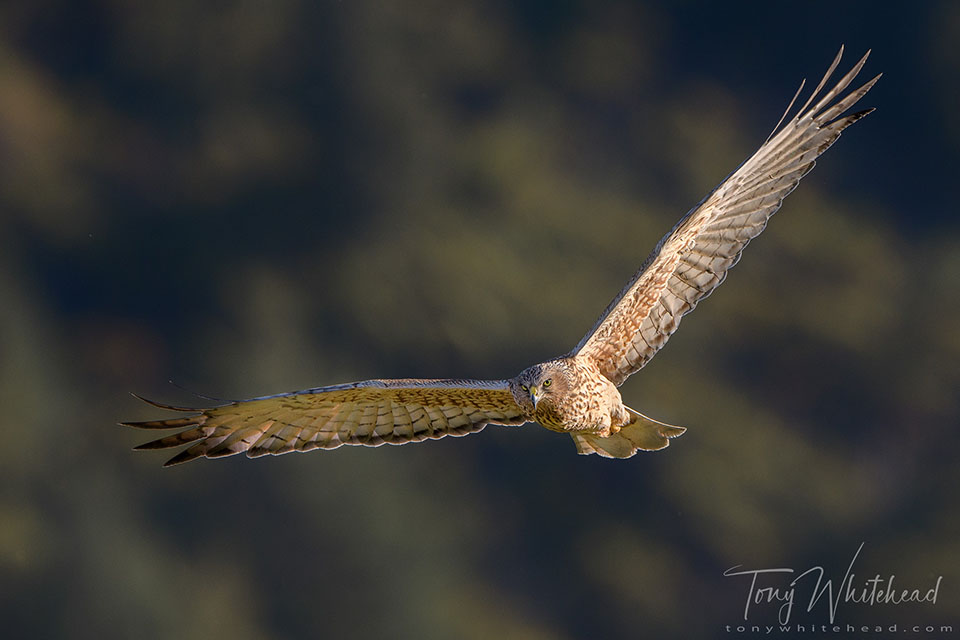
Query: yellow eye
525	389
546	383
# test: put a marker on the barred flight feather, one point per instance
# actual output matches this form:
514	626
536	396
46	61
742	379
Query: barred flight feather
694	258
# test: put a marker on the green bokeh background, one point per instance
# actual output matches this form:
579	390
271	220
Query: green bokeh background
253	197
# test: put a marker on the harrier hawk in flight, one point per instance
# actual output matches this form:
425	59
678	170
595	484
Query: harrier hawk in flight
577	392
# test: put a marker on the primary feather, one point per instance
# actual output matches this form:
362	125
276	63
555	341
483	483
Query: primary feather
369	413
695	256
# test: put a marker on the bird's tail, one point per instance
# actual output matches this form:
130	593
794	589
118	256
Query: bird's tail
641	434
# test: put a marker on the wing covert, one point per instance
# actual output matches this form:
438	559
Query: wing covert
695	256
369	413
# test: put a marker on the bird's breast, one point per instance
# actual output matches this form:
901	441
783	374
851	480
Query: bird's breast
550	417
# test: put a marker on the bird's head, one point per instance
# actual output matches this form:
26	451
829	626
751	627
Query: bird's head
539	384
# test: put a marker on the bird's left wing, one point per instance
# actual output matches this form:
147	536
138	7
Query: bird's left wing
693	259
370	413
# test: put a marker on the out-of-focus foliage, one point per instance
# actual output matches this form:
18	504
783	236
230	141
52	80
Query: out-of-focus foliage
252	197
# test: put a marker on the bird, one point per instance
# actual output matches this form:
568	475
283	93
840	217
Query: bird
578	392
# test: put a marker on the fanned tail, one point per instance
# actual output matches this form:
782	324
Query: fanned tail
641	434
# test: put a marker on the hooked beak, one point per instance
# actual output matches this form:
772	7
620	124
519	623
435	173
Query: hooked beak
535	395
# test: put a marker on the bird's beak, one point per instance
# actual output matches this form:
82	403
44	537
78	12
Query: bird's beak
535	395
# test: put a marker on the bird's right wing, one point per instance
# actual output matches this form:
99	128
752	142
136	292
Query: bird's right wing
693	259
370	413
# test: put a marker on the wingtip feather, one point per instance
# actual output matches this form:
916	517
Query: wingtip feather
182	457
161	405
175	423
149	446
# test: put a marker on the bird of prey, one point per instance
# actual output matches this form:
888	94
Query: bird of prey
575	393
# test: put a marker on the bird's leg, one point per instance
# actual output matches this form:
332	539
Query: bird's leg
619	418
611	425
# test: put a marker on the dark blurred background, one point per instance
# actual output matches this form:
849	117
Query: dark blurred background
254	197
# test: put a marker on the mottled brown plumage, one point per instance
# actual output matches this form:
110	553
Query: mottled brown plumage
577	393
571	395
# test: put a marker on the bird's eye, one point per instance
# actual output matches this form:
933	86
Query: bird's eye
546	383
525	389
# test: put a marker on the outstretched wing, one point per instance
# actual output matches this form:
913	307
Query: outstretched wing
368	413
693	259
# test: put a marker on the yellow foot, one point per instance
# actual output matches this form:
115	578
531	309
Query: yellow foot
607	431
